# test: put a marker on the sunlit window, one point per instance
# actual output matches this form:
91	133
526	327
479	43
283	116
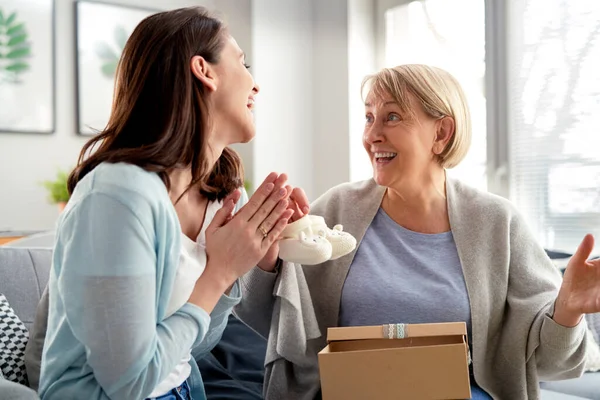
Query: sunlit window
554	104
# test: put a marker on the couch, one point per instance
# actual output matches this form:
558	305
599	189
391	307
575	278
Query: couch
231	371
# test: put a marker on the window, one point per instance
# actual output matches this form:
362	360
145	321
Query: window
449	35
542	112
554	118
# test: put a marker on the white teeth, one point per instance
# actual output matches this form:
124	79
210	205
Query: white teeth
385	155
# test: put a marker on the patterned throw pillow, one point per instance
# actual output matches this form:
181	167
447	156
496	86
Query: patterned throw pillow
13	339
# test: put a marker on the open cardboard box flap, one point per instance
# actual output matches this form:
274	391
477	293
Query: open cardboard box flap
409	331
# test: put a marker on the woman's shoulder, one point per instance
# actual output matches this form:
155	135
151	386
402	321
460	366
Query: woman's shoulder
124	176
140	192
350	189
476	201
125	182
350	194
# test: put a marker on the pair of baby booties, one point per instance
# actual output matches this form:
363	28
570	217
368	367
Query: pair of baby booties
310	241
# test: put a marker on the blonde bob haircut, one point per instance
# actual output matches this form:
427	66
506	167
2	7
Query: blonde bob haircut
439	94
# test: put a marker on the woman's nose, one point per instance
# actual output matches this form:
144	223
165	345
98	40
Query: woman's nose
373	134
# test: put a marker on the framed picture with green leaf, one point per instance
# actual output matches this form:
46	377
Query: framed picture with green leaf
27	80
101	32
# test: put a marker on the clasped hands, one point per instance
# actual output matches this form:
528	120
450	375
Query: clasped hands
235	243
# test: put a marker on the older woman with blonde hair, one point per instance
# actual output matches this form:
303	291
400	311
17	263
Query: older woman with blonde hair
431	249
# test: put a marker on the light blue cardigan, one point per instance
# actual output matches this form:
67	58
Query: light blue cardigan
116	254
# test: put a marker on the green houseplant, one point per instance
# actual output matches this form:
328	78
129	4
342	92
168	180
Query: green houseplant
248	187
57	189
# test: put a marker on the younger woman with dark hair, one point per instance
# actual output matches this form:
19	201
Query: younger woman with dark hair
153	240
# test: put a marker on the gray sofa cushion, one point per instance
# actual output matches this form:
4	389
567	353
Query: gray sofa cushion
23	277
14	391
39	240
548	395
588	386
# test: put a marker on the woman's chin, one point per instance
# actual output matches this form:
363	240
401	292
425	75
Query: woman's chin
380	178
245	134
249	134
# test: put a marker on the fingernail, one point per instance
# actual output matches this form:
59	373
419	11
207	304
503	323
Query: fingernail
269	187
282	192
305	210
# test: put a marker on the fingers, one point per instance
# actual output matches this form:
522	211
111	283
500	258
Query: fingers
224	214
278	212
276	231
269	203
299	197
233	196
297	213
298	203
584	250
264	191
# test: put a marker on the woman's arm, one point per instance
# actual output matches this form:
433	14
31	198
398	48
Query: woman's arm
218	322
256	308
106	276
559	352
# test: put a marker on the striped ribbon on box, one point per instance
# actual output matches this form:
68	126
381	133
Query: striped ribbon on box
398	331
394	331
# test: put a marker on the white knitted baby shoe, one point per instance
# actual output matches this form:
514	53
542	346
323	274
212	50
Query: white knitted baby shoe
301	245
342	242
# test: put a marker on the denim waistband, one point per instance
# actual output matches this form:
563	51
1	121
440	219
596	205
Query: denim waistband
182	392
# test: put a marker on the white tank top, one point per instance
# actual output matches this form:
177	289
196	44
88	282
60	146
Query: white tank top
192	262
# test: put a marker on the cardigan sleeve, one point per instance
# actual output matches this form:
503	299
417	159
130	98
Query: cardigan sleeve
218	322
106	276
256	308
559	352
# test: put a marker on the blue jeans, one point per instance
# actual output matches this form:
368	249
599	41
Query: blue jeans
478	393
179	393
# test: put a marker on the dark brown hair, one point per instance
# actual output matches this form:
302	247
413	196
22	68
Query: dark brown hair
160	116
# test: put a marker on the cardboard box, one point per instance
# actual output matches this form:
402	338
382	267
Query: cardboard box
397	361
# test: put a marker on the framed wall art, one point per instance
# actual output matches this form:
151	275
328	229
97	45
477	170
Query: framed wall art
102	29
27	72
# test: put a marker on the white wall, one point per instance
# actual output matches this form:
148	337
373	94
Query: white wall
282	50
331	149
301	51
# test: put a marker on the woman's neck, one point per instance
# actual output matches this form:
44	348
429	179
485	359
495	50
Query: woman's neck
181	178
419	202
190	205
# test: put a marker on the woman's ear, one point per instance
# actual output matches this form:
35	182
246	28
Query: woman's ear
204	72
444	132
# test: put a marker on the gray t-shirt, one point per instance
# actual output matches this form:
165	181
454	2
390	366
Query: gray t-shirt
401	276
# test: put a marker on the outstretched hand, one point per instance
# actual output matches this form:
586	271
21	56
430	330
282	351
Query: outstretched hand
580	290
